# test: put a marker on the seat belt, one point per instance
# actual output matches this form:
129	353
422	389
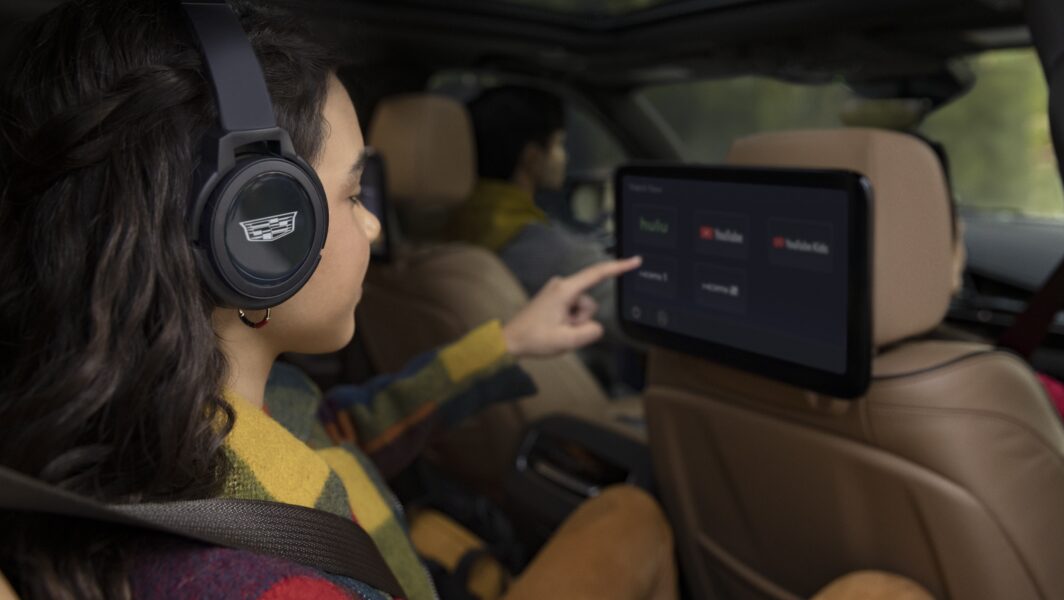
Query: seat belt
306	536
1046	21
1029	329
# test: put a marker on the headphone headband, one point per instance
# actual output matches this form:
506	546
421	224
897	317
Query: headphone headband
239	86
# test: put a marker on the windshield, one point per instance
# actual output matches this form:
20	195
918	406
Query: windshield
998	139
997	136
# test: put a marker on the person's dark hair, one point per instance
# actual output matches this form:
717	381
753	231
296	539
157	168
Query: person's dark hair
508	118
111	379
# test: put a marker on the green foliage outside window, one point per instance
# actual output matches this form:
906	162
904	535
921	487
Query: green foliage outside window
998	138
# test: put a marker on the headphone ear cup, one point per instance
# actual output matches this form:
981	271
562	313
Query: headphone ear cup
258	220
263	232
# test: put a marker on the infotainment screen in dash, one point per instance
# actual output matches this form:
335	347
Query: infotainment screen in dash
763	269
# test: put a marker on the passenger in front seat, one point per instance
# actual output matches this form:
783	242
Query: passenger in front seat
126	380
520	140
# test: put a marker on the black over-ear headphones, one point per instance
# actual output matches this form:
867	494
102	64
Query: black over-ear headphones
258	214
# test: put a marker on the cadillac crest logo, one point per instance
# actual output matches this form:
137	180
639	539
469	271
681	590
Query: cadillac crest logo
270	229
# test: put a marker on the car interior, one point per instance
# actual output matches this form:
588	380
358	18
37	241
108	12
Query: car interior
944	466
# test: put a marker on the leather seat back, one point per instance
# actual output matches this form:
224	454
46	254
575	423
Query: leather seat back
6	593
431	294
949	471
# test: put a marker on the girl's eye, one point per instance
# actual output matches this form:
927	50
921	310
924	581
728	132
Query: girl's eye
355	199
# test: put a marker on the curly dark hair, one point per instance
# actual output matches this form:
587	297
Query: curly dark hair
111	378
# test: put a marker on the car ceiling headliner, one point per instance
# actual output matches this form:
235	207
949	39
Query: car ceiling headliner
802	40
809	40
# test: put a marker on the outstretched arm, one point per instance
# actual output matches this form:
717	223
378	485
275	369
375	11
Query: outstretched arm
391	416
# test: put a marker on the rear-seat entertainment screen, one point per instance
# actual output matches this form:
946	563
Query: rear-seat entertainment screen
766	270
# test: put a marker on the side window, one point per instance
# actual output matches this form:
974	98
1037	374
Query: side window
594	153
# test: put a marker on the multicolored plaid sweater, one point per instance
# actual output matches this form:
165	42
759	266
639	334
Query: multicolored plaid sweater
329	455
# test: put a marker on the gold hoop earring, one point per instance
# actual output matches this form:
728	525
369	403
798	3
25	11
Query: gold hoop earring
252	324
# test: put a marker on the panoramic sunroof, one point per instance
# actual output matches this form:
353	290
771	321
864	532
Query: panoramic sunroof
591	7
603	8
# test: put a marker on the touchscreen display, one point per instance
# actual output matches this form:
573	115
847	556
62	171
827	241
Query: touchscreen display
763	267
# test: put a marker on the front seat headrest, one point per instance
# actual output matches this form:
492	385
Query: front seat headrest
427	144
911	222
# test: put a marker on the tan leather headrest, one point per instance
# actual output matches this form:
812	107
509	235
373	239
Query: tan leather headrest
427	144
913	245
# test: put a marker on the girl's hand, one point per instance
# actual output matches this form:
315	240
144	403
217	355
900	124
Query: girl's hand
560	317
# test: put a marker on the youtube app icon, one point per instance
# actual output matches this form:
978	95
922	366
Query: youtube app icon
724	235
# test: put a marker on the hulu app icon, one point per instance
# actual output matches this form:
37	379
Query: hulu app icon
654	226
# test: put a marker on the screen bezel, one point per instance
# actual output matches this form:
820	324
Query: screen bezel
854	381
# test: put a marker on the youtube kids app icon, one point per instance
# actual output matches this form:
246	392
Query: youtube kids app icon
801	245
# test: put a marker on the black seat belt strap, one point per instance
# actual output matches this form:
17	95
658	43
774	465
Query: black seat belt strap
303	535
1031	327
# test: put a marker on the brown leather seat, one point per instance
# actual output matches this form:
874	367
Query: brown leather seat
434	293
950	471
6	593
